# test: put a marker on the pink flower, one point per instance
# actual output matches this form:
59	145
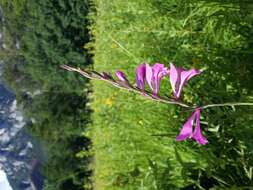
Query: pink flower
187	132
178	78
140	76
150	74
121	76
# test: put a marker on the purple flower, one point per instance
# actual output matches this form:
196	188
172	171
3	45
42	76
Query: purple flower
140	76
121	76
178	78
152	75
187	132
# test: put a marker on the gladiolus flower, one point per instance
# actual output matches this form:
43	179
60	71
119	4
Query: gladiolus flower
121	76
140	76
152	75
187	131
178	78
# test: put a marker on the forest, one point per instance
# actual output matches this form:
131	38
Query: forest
49	34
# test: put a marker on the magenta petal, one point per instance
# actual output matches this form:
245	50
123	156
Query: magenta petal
173	77
149	76
157	69
158	74
186	130
140	76
184	77
197	134
121	76
152	75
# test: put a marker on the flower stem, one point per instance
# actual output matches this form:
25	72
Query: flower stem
127	86
227	104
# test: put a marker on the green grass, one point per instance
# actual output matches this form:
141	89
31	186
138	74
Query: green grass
133	138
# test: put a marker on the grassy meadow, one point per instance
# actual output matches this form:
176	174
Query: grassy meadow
133	138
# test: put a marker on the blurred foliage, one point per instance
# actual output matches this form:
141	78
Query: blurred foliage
50	33
134	139
16	8
59	119
39	37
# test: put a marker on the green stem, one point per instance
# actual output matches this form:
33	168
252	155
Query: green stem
227	104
